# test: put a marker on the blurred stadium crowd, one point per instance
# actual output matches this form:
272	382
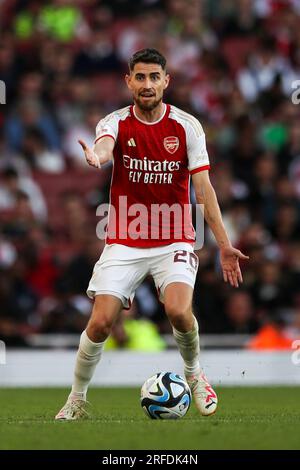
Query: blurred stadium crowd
233	64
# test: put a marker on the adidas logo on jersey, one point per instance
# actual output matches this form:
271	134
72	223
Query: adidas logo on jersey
131	143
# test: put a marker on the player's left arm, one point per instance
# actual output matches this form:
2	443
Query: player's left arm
229	256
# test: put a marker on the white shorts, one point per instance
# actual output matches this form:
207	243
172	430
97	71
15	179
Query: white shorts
121	269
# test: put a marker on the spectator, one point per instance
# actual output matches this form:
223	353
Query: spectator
13	184
240	316
85	131
38	155
30	113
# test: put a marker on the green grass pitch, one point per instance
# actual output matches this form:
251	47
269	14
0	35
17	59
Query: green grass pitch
247	418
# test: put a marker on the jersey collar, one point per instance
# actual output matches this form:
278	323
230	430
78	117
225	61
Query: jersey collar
166	112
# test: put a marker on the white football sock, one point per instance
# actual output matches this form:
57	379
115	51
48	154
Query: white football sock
189	347
87	358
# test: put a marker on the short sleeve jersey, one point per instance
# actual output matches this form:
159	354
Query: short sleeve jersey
152	164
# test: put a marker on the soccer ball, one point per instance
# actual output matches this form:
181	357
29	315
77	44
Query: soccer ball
165	395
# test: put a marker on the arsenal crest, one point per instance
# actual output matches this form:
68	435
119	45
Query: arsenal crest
171	144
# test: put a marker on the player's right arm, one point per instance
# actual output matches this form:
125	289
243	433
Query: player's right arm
101	152
106	136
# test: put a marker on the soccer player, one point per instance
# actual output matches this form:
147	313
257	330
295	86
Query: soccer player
155	148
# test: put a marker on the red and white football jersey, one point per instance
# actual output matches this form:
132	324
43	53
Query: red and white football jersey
152	164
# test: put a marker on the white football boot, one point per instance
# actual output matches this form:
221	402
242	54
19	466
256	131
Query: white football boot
203	394
73	410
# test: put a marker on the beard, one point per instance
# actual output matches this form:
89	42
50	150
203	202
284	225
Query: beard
147	106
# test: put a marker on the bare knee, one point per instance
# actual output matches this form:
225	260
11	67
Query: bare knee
98	329
178	305
104	313
180	316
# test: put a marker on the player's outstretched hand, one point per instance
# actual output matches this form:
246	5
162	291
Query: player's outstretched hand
229	257
90	155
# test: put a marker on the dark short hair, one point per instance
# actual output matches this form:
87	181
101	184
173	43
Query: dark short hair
147	56
10	172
